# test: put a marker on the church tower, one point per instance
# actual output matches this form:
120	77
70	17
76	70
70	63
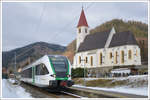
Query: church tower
82	29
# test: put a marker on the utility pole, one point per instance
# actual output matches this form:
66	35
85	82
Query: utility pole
15	62
15	72
15	67
84	71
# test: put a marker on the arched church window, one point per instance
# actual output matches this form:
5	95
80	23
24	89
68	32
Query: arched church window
122	56
79	59
116	54
91	60
129	54
86	60
100	58
110	55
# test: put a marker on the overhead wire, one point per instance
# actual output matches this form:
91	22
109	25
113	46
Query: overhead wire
40	18
36	30
70	23
56	34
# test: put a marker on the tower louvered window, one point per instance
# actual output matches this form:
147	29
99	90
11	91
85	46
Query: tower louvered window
79	30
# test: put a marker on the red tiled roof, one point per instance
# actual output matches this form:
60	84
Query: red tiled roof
82	20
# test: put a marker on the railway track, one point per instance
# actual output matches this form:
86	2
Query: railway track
37	92
73	92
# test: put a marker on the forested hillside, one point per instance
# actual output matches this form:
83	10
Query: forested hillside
29	53
139	29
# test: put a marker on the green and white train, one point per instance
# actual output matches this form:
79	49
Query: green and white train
48	71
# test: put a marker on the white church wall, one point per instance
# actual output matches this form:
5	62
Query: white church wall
135	60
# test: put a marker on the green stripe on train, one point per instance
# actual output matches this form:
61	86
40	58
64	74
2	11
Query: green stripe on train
65	78
68	67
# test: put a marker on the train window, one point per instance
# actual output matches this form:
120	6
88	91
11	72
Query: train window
30	72
60	67
37	70
59	64
22	74
41	69
27	73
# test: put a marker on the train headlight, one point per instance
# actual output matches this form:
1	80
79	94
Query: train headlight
68	75
53	75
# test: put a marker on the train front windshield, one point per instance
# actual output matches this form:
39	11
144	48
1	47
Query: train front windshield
60	64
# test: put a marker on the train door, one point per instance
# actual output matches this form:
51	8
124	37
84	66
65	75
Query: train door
33	74
37	74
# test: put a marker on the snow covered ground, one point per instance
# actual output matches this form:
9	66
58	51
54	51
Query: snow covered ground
13	91
137	91
137	84
131	78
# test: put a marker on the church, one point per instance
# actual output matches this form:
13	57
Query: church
103	51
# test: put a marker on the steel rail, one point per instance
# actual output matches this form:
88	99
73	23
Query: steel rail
48	93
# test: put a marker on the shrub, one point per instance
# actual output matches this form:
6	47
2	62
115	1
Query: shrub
78	72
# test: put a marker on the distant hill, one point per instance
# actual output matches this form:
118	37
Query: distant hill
139	29
30	53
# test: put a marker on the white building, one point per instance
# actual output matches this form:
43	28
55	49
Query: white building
105	49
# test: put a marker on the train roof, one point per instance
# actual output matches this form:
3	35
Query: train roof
56	56
28	66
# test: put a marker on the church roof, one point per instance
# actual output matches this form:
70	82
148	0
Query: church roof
94	41
82	20
98	40
123	38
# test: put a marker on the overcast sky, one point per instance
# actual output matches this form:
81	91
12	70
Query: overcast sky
25	23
